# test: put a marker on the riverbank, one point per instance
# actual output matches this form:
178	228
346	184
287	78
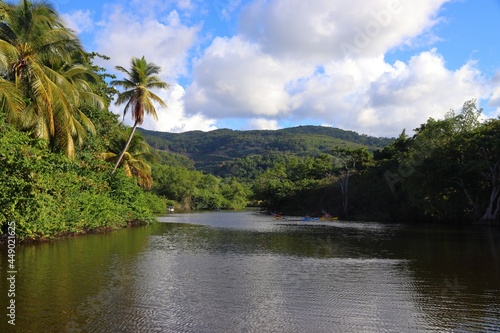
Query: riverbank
70	234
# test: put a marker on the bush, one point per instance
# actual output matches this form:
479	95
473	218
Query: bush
46	194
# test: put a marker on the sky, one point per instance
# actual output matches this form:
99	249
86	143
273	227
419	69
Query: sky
372	66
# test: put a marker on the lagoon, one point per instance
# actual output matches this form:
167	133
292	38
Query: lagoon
249	272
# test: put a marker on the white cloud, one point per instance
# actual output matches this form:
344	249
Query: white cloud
263	124
495	98
387	98
79	21
164	41
287	63
235	79
324	30
294	61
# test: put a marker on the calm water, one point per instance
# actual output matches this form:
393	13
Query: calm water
245	272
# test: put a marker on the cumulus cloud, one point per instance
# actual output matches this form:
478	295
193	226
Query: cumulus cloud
495	97
324	30
263	124
368	95
317	60
157	31
234	78
163	40
288	62
79	21
377	98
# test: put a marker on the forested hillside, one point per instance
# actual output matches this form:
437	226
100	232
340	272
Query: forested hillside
215	149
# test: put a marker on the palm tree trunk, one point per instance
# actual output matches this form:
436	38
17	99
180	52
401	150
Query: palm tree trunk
125	148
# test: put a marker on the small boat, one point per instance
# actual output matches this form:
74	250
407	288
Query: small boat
328	217
308	218
276	215
331	218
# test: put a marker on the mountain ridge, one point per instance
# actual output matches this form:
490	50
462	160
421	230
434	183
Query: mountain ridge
211	148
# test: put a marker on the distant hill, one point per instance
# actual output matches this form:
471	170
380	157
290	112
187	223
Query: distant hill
209	149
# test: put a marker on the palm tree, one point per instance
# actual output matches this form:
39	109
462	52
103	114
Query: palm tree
137	95
135	160
37	56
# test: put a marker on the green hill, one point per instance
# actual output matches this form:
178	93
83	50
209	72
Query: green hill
209	150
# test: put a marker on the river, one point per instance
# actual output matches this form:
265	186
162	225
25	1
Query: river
248	272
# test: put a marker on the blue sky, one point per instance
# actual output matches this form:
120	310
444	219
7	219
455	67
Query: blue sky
373	66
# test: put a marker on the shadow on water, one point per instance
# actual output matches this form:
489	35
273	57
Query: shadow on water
53	278
457	273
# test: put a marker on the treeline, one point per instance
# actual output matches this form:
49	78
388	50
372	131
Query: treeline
448	171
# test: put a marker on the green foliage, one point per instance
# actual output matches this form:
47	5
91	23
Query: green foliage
225	152
194	190
447	171
44	83
207	194
235	195
52	180
175	183
172	159
135	161
46	194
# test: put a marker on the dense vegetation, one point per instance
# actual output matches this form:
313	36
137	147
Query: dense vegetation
449	171
211	150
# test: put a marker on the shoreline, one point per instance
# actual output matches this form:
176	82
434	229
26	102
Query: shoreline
71	234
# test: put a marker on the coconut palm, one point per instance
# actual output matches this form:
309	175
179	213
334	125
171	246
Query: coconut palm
135	160
137	97
37	56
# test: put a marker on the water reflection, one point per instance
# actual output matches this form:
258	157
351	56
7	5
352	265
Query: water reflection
245	272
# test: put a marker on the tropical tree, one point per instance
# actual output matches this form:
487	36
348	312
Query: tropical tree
135	160
137	97
38	55
274	187
176	183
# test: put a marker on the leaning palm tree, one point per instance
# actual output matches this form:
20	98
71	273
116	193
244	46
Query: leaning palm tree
137	96
37	55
